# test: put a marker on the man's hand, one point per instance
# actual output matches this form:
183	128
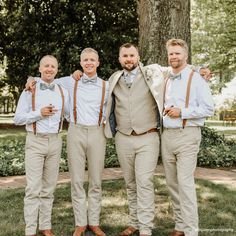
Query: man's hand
30	84
205	73
77	75
172	112
48	111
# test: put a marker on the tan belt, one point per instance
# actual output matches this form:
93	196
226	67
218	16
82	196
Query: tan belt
147	132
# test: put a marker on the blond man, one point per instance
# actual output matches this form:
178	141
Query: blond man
187	103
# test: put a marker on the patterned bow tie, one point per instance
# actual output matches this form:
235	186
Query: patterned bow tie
86	80
47	86
173	76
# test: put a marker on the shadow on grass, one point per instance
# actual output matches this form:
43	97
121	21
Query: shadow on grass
217	210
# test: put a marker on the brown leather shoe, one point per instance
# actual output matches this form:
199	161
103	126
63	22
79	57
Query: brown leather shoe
129	231
96	230
176	233
46	232
79	230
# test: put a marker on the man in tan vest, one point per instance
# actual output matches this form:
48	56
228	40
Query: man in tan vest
188	101
133	114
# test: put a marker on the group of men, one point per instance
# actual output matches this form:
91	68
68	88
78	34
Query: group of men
139	105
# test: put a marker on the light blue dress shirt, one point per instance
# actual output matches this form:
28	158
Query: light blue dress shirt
25	116
88	101
201	104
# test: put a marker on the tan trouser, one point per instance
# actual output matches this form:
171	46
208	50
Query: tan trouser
138	157
179	155
42	157
86	142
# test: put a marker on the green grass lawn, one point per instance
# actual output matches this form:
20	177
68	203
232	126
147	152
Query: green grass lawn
217	210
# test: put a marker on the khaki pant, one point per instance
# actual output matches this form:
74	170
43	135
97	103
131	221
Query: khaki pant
138	157
42	157
86	143
179	155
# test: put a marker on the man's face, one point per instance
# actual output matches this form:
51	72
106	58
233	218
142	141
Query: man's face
129	58
48	69
177	56
89	62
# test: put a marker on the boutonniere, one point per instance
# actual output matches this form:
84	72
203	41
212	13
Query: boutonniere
149	73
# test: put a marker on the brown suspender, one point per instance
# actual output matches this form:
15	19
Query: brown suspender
102	101
74	101
187	93
33	108
62	108
101	105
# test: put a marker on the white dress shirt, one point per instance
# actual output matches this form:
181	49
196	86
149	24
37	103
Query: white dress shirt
25	116
200	106
88	101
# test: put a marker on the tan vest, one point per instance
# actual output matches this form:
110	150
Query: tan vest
135	107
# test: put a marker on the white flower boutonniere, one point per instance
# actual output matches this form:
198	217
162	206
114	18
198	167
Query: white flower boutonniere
149	73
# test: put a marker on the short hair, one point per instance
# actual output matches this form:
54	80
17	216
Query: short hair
88	50
50	56
177	42
128	45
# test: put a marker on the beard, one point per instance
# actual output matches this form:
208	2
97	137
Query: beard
129	66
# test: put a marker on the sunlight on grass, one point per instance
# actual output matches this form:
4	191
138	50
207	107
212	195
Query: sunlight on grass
217	209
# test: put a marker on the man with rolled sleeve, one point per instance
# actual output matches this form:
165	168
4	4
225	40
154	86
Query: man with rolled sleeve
187	102
42	112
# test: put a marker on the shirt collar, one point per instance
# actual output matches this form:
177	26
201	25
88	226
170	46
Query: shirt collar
131	73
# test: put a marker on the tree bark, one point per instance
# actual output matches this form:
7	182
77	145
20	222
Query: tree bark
160	20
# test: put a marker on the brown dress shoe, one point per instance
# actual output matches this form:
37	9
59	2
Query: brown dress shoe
79	230
176	233
96	230
46	232
129	231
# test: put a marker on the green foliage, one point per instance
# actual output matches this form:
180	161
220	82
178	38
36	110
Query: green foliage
213	37
31	29
12	152
216	150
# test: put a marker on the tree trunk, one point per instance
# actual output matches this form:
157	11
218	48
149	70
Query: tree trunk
160	20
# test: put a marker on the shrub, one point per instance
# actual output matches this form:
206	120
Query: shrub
215	151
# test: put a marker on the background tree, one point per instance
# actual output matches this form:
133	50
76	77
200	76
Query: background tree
32	28
213	37
160	20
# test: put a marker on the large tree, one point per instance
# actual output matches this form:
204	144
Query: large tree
160	20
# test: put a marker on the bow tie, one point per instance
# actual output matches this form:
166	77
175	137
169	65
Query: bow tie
44	86
86	80
173	76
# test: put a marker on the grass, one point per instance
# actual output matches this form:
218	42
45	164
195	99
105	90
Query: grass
217	210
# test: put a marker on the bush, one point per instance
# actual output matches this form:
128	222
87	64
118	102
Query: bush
12	152
215	151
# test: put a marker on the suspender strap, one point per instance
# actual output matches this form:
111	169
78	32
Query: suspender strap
74	101
102	102
62	109
33	108
188	94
